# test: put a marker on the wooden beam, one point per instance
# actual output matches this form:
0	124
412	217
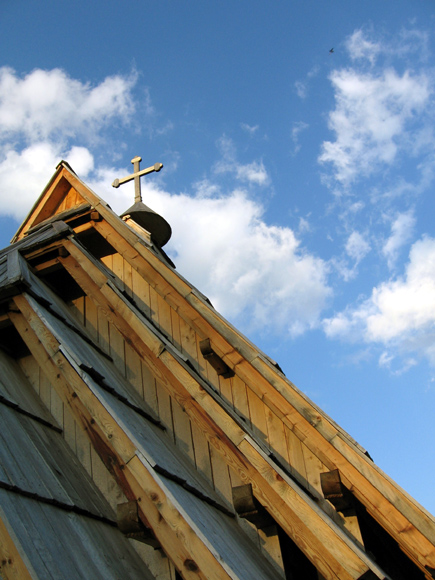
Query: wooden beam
223	433
131	525
411	526
221	368
14	564
182	544
249	508
335	492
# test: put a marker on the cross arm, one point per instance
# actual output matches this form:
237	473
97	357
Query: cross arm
156	167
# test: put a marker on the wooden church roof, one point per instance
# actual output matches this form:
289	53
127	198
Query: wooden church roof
144	437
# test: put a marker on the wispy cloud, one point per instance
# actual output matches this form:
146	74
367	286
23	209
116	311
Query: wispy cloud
297	129
400	313
254	172
302	86
251	130
357	247
372	119
401	232
360	47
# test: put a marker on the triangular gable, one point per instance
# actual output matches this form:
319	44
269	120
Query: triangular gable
60	195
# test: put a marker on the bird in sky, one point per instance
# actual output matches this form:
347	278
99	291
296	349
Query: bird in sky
331	51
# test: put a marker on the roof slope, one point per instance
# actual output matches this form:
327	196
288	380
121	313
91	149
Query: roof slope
61	524
185	413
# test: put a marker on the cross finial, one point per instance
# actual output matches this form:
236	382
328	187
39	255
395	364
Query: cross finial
136	176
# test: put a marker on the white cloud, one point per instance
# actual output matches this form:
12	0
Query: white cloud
301	89
46	104
370	119
255	274
357	247
297	128
251	130
401	230
254	173
24	174
359	47
400	313
41	115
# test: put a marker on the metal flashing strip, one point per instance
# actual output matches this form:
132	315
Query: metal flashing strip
183	483
56	503
100	380
16	407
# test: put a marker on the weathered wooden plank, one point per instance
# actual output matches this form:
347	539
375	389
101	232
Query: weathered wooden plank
118	269
269	543
141	292
188	342
78	309
296	456
149	389
154	306
117	344
226	390
56	407
314	467
240	399
14	562
91	319
182	430
195	563
119	447
83	449
221	475
165	321
103	331
165	408
276	438
305	532
105	481
175	325
202	452
133	369
31	369
285	524
258	417
16	387
44	390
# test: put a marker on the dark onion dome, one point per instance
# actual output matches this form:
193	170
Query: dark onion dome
151	221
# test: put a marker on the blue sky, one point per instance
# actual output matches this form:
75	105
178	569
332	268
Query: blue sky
299	183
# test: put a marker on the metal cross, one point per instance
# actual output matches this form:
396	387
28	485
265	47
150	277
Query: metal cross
136	176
